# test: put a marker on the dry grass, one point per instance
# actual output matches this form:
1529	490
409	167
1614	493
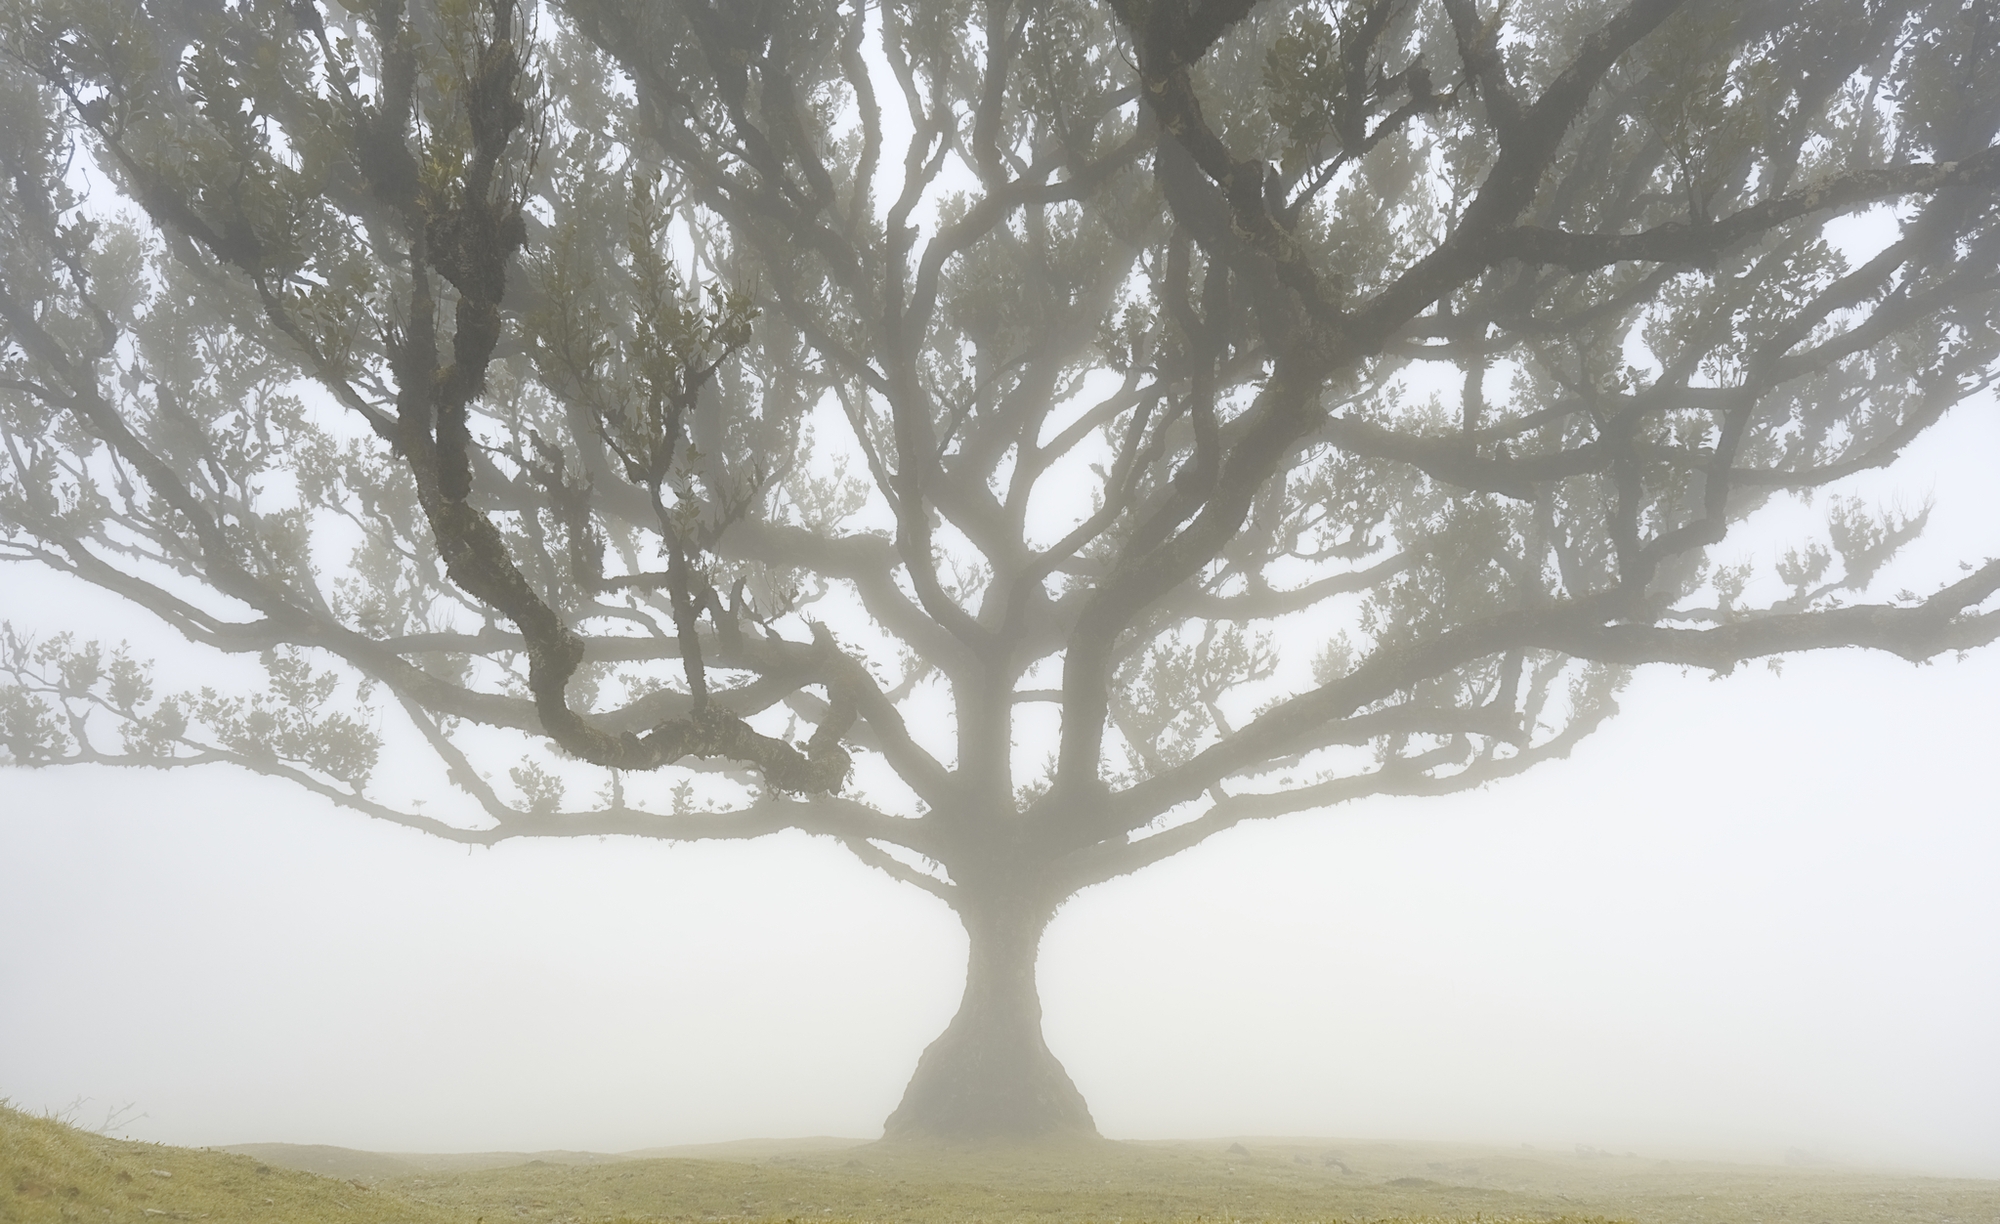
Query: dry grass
49	1172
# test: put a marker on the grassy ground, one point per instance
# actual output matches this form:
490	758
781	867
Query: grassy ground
49	1173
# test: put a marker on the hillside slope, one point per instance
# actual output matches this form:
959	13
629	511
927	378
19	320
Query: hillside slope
50	1172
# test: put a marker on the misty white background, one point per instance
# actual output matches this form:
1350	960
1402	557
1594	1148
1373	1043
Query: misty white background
1755	914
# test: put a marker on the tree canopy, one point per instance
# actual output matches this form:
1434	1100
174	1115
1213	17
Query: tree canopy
1018	439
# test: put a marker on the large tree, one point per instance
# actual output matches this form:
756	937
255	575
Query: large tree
1018	439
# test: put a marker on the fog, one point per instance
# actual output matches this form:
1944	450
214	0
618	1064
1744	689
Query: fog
1755	917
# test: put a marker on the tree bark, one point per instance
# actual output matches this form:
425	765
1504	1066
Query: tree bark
990	1075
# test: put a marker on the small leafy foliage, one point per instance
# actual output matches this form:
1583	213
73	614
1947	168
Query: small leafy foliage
979	429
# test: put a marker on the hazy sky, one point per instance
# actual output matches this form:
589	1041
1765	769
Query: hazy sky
1755	914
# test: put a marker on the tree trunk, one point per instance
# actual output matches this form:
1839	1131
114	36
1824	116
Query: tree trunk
990	1075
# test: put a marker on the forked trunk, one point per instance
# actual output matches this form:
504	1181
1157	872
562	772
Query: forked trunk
990	1075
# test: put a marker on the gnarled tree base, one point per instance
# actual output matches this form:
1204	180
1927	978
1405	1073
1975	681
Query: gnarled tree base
976	1084
990	1076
